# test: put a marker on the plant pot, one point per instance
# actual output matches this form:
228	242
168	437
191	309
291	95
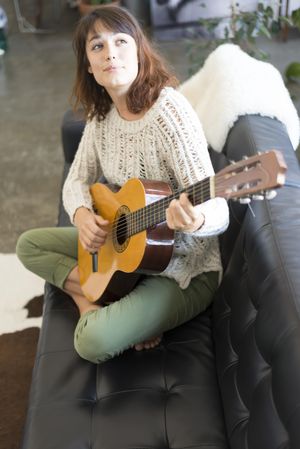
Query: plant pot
86	8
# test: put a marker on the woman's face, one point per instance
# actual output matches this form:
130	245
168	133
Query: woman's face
112	58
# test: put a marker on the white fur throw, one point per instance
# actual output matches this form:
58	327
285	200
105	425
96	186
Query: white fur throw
230	84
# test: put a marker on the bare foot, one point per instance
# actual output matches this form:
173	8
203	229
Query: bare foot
73	288
148	343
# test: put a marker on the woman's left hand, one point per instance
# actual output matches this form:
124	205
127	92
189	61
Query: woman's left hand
183	216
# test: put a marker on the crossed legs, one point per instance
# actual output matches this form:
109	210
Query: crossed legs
156	305
72	288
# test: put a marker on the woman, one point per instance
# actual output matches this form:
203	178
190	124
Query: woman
137	126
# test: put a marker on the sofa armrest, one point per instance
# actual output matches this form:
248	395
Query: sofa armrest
71	132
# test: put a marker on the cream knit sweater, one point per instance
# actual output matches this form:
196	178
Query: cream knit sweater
166	144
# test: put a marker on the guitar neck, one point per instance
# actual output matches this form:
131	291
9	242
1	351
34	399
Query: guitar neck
155	213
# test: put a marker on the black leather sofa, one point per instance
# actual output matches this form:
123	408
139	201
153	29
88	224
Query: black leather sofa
230	378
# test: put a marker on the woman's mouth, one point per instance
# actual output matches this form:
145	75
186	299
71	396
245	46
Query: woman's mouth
110	68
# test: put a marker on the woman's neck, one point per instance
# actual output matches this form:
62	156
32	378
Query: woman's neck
130	116
119	100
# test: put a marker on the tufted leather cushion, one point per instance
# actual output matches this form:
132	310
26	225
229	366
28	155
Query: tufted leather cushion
161	398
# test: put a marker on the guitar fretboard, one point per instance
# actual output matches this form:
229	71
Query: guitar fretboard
155	213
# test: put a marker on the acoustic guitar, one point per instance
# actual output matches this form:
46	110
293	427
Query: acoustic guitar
139	240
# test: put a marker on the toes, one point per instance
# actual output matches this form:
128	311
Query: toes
148	344
152	343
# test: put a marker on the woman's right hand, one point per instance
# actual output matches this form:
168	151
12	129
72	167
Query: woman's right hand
91	229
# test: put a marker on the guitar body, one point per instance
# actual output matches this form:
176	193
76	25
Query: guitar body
148	251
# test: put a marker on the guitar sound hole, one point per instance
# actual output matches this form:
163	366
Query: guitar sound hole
121	233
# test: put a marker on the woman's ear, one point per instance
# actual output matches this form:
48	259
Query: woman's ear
90	69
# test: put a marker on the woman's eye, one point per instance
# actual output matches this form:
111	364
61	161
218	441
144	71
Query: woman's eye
122	41
97	46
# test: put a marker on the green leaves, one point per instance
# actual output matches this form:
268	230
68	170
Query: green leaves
296	18
263	30
292	72
242	29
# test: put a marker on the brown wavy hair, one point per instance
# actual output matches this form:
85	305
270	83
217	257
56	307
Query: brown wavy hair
153	73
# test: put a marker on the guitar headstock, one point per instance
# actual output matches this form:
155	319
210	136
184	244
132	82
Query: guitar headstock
254	175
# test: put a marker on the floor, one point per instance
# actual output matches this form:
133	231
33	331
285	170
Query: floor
36	76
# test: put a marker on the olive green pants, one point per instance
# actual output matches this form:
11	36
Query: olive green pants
157	304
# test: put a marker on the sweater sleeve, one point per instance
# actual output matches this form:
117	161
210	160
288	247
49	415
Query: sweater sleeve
189	159
85	170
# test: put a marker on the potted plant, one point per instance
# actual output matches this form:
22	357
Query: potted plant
87	6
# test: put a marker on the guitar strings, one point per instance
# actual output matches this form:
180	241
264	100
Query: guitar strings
155	209
135	219
150	212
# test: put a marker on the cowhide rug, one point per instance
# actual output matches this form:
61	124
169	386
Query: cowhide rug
20	319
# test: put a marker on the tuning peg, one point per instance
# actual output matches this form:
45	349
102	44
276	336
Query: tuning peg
258	197
270	194
245	200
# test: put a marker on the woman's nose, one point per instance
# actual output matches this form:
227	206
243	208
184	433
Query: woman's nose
110	52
